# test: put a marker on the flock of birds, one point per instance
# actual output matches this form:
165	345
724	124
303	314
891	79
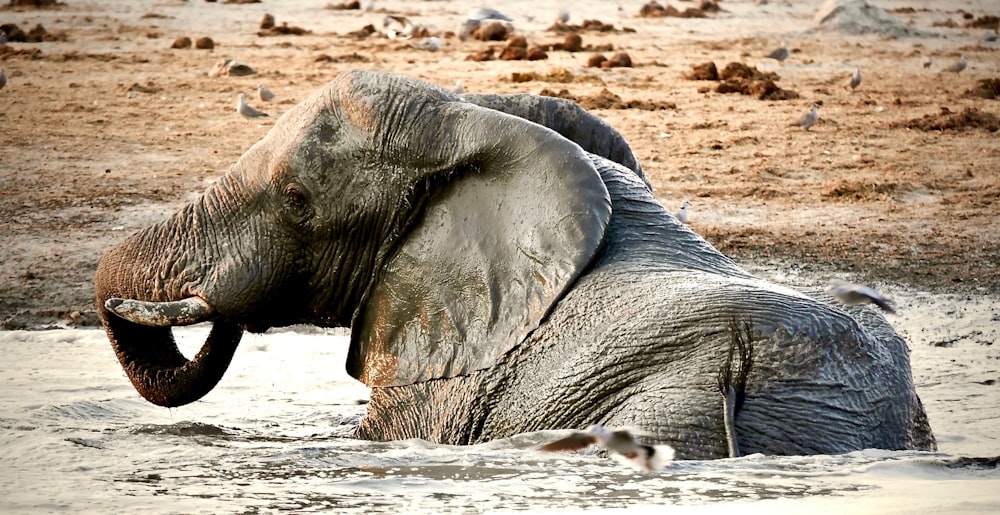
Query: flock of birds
782	53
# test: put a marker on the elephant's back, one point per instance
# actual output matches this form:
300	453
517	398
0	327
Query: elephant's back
644	342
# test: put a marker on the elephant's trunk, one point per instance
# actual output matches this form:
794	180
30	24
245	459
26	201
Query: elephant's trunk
140	275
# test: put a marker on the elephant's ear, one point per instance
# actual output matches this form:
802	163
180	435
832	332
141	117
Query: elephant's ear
522	213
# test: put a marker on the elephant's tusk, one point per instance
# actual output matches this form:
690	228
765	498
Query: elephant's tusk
162	314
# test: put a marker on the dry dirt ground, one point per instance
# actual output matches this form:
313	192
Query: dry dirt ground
104	128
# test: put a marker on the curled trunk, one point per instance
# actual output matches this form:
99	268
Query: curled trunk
135	274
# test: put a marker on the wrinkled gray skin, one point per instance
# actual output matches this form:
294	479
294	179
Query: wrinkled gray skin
497	279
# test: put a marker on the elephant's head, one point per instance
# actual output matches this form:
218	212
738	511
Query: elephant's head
441	232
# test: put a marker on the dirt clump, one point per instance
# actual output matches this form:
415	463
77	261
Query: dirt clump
858	190
486	54
987	21
968	119
703	71
608	100
353	5
283	30
37	34
267	22
34	3
740	78
587	26
557	75
987	88
363	32
655	10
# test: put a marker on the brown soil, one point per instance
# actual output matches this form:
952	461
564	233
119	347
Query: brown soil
109	129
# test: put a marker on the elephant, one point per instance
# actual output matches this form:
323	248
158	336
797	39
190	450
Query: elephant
503	267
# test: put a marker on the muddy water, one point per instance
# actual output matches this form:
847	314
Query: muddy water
75	437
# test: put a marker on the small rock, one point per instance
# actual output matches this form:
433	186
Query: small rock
482	55
596	60
573	42
182	42
491	31
535	53
205	43
517	41
620	60
513	53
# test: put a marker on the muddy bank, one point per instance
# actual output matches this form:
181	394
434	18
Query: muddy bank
111	128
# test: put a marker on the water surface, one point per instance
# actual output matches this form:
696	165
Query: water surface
274	435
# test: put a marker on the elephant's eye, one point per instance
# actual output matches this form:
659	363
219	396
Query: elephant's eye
294	196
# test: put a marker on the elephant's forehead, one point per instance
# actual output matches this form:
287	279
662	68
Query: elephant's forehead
356	102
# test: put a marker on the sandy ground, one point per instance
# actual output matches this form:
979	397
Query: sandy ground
107	129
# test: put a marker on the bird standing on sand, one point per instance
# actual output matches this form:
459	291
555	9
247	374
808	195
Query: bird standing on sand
459	88
855	79
265	94
682	213
926	61
620	444
3	78
401	26
780	54
850	294
810	118
959	66
247	111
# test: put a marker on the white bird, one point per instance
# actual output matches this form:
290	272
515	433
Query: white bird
810	118
620	444
856	78
781	53
431	44
3	78
682	213
990	36
926	61
265	94
563	16
850	294
247	111
459	88
488	13
402	26
959	66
